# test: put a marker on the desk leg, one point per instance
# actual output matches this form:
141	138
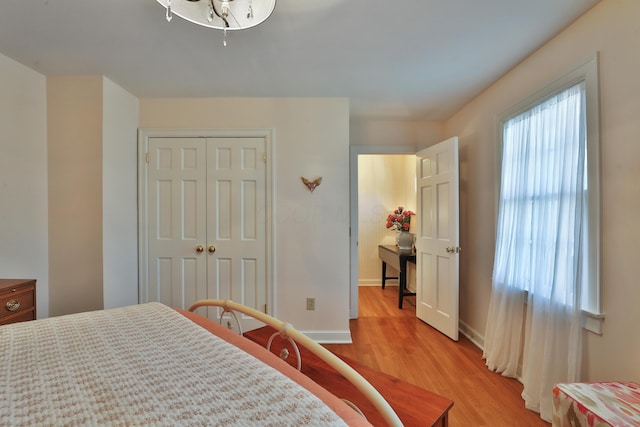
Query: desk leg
402	283
384	273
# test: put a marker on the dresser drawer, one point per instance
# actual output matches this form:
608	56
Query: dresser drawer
17	302
23	316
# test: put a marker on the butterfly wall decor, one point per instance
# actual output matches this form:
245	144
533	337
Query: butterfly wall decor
311	185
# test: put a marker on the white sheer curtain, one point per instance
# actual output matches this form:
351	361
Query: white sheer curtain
534	312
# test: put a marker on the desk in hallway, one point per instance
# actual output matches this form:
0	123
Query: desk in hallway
397	259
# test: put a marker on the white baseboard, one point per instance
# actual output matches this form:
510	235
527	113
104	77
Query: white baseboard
344	337
330	337
390	282
472	334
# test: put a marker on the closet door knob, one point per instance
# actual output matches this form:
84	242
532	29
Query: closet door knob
212	249
199	248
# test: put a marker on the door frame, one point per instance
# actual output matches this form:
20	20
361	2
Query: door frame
143	143
354	151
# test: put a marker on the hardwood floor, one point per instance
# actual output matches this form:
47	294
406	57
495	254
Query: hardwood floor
395	342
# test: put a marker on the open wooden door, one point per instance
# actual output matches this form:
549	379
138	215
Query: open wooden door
437	237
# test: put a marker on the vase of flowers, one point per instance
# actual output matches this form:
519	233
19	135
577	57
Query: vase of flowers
400	220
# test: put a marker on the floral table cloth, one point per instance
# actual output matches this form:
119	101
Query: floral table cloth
596	404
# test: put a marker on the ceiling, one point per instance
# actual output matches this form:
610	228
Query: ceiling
407	59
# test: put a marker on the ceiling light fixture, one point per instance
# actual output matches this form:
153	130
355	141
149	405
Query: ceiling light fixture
221	14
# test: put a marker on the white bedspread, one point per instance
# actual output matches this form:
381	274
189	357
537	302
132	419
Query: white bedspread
141	365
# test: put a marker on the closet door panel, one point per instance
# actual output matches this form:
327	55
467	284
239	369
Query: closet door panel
237	214
177	220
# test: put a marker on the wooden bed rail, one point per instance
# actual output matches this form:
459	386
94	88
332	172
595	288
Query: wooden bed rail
287	330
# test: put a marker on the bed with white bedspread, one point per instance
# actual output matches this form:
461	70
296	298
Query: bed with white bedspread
149	365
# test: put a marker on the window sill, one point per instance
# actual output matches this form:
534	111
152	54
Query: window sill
592	322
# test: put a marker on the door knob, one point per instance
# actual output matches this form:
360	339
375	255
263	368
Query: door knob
199	248
211	249
451	250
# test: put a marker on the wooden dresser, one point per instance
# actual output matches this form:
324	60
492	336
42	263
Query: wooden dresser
17	300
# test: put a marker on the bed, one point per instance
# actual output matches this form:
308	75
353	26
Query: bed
150	364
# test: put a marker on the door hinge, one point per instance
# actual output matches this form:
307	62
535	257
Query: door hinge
264	160
265	309
147	157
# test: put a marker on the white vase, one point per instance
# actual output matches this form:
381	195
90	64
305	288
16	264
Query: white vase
404	240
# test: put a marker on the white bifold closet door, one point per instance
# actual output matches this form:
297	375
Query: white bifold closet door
206	221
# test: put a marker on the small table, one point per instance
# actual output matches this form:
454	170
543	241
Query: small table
596	404
397	259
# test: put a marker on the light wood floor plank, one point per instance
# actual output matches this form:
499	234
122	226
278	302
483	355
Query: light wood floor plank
395	342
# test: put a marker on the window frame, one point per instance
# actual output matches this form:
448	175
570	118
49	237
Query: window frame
587	72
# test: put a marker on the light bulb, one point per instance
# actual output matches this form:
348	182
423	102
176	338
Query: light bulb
225	8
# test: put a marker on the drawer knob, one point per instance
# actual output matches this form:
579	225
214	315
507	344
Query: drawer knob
13	305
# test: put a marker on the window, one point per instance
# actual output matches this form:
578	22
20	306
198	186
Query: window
549	221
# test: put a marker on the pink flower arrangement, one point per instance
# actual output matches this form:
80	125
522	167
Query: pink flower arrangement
400	219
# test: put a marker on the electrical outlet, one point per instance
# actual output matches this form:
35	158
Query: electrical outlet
311	303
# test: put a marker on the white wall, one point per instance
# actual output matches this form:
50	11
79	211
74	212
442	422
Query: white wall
92	146
611	28
23	178
119	196
74	144
311	139
380	132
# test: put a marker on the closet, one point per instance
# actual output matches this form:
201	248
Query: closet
204	220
